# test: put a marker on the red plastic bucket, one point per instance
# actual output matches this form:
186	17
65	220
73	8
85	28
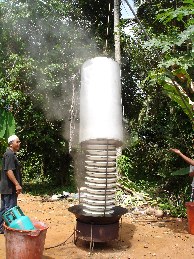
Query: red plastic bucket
25	244
190	216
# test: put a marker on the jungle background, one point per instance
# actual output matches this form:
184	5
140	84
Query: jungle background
42	47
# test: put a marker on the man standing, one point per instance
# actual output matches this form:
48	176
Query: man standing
191	171
191	174
10	185
186	158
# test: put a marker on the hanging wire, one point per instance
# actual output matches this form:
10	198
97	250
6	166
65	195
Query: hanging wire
63	243
124	7
107	29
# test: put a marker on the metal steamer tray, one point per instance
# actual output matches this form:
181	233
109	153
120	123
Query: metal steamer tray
78	211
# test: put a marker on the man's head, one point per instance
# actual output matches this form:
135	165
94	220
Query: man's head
14	143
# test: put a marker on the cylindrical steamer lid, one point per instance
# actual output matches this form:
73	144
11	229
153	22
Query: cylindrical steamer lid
100	101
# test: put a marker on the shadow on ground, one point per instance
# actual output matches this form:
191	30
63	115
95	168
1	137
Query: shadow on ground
178	225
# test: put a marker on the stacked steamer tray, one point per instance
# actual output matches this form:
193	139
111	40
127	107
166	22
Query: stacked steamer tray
100	177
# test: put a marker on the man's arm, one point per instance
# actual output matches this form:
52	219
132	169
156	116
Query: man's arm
12	178
187	159
191	174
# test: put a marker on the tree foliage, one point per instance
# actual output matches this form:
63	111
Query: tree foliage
175	69
164	115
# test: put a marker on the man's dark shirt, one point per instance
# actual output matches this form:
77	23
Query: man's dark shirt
10	162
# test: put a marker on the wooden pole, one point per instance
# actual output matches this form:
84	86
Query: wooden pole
117	44
116	31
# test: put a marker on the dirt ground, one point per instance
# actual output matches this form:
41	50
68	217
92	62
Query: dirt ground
140	236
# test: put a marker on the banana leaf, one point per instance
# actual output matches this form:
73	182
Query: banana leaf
2	123
7	124
173	93
182	171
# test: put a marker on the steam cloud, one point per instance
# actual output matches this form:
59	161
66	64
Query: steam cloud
58	47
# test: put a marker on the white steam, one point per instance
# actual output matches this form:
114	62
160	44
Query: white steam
59	47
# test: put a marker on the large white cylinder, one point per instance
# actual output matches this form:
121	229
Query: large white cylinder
100	101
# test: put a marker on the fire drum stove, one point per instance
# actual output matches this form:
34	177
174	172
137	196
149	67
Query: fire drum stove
101	134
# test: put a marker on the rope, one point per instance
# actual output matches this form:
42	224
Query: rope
72	115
